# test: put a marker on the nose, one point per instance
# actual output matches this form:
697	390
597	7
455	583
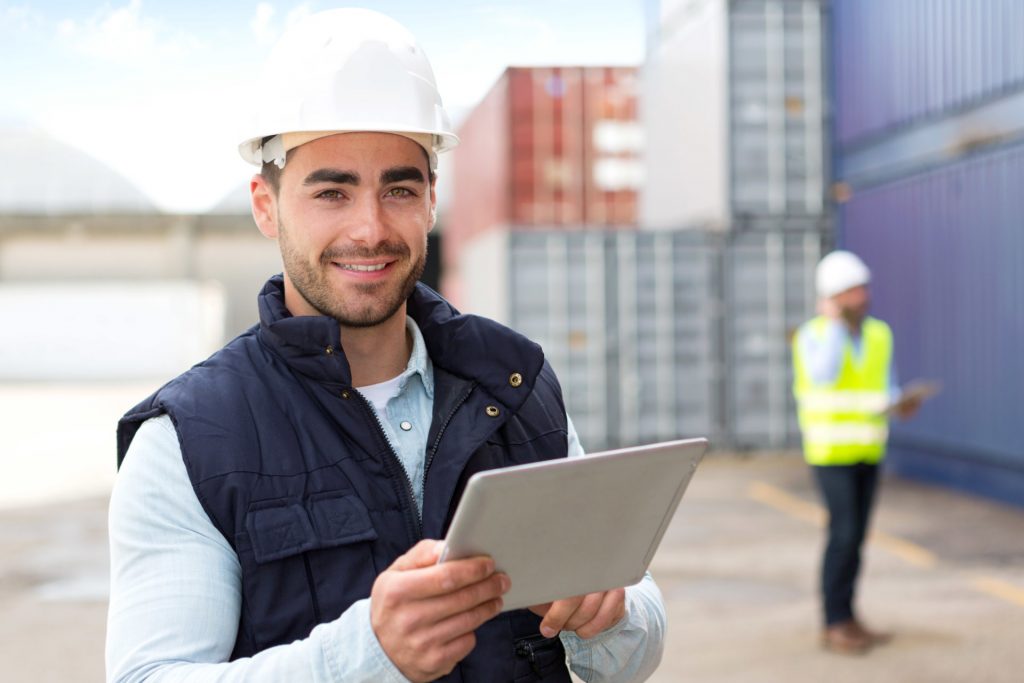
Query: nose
367	224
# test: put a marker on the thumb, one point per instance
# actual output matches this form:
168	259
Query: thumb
423	554
540	610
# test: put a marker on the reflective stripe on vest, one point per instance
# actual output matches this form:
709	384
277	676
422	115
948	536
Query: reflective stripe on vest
843	423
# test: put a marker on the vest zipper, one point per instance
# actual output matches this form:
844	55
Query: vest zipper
444	425
312	588
389	463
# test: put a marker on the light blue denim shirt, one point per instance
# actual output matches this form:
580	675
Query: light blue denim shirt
175	594
823	355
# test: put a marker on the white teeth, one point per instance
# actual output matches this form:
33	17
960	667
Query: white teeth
363	269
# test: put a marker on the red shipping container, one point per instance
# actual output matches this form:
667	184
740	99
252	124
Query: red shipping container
547	147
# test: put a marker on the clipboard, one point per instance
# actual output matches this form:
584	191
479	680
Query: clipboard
572	526
918	389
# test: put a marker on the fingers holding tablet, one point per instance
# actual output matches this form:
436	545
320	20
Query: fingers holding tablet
424	613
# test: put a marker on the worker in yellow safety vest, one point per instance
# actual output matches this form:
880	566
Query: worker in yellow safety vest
845	387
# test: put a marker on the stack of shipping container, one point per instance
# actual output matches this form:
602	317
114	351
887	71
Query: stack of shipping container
661	263
547	148
734	95
929	148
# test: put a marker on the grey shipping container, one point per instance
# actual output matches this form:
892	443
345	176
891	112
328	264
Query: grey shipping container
658	335
734	95
769	292
628	322
776	109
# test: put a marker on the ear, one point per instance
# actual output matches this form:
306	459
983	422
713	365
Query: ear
264	205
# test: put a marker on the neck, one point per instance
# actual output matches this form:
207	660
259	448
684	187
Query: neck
379	353
854	325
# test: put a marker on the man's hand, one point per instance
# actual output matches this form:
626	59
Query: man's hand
587	615
829	308
907	408
424	613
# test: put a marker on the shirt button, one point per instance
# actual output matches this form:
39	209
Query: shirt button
405	425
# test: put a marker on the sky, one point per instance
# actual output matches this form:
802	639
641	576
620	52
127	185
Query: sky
161	90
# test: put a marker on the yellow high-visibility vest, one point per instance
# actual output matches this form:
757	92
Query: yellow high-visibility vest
843	423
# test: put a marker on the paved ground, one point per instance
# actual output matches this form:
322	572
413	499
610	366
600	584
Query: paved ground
737	569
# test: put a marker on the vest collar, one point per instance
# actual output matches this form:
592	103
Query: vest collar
468	346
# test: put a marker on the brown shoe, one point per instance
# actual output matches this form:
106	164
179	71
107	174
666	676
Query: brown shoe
845	638
874	637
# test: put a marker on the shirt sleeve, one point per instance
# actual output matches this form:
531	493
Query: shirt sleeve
175	590
631	649
823	356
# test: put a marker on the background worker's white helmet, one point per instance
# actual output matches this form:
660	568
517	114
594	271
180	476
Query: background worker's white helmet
840	271
346	70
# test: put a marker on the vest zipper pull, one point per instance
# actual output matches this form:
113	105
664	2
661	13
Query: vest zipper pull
524	648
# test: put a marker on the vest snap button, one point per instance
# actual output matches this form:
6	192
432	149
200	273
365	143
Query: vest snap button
345	393
516	379
492	411
329	350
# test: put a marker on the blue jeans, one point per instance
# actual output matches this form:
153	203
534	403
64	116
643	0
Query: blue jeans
848	492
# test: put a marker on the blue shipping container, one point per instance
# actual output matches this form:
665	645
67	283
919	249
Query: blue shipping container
946	250
898	62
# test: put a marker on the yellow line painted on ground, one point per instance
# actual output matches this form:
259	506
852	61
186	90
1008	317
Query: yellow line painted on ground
911	553
1004	590
784	502
812	513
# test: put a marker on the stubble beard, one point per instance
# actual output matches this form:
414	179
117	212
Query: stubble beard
383	299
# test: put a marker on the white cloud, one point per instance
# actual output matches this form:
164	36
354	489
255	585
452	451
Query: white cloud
266	30
260	24
124	34
507	21
21	18
297	14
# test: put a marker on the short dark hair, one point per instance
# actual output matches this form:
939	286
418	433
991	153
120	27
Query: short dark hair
271	172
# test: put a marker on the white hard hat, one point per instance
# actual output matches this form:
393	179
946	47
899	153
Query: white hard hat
346	70
840	271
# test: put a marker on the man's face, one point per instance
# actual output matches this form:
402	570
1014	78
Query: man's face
352	215
854	303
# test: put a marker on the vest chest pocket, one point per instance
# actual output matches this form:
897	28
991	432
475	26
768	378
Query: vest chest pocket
304	561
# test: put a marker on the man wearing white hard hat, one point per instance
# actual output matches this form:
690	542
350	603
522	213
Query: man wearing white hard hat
844	381
273	509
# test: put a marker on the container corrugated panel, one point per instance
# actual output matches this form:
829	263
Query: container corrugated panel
899	62
574	145
628	320
776	107
946	251
769	292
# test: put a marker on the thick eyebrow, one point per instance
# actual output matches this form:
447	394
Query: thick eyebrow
397	174
400	174
332	175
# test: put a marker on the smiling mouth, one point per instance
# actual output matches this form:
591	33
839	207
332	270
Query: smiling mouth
362	269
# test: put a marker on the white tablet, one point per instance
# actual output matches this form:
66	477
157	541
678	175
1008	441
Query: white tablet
568	527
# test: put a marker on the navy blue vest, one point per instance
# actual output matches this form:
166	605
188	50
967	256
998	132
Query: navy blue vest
292	467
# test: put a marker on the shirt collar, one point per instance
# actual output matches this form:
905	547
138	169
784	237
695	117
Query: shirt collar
419	361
